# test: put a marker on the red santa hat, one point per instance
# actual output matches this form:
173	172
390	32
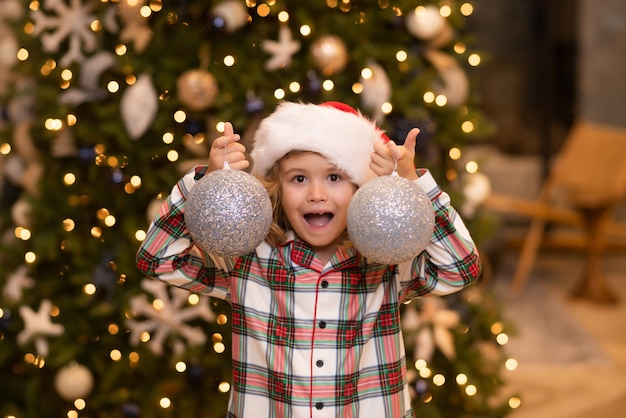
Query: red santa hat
332	129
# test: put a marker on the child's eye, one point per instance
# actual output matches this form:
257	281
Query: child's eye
334	177
299	179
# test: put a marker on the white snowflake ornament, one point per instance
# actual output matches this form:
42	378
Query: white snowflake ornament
167	314
69	21
281	50
37	326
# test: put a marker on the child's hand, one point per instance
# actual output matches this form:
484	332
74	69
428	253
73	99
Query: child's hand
226	148
384	157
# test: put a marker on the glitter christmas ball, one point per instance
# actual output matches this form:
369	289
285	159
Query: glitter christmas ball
390	220
228	213
197	89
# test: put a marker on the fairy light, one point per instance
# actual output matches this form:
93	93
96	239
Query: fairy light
467	9
279	94
429	97
441	100
115	354
145	12
305	30
165	403
113	86
172	155
140	235
180	366
223	387
180	116
496	328
511	364
461	379
121	49
66	75
402	56
467	126
420	364
219	348
515	402
445	11
22	54
23	233
135	181
471	390
471	167
193	299
30	257
53	124
283	16
80	404
229	60
357	88
460	48
167	138
133	359
294	87
439	379
386	108
156	5
263	10
96	232
328	85
474	60
110	221
454	153
502	338
5	148
113	329
89	289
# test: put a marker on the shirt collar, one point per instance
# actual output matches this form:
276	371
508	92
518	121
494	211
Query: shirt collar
302	254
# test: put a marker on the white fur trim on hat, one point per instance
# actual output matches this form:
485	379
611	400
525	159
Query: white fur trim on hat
345	138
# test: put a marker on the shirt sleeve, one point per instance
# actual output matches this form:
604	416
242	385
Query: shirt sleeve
169	254
451	260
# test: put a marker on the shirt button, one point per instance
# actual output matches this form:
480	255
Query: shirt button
322	324
319	363
319	405
324	284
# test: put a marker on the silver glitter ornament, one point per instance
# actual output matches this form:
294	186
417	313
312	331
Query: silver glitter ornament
228	213
390	219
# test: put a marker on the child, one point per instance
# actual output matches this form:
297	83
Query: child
316	326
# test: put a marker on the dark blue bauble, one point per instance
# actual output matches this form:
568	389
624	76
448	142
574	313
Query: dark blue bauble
254	105
131	410
194	127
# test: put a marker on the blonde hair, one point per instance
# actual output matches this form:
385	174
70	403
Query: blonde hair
280	223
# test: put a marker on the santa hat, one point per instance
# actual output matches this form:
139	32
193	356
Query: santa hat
332	129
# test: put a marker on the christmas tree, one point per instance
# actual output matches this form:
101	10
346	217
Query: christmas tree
107	103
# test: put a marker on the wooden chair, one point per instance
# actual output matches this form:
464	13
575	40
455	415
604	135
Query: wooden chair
585	184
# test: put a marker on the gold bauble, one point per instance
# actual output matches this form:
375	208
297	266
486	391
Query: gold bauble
197	89
330	54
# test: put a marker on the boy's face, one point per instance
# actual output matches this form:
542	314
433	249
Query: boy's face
315	199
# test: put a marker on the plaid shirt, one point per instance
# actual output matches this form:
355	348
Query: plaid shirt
313	340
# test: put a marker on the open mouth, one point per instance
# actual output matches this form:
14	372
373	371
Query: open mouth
318	219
